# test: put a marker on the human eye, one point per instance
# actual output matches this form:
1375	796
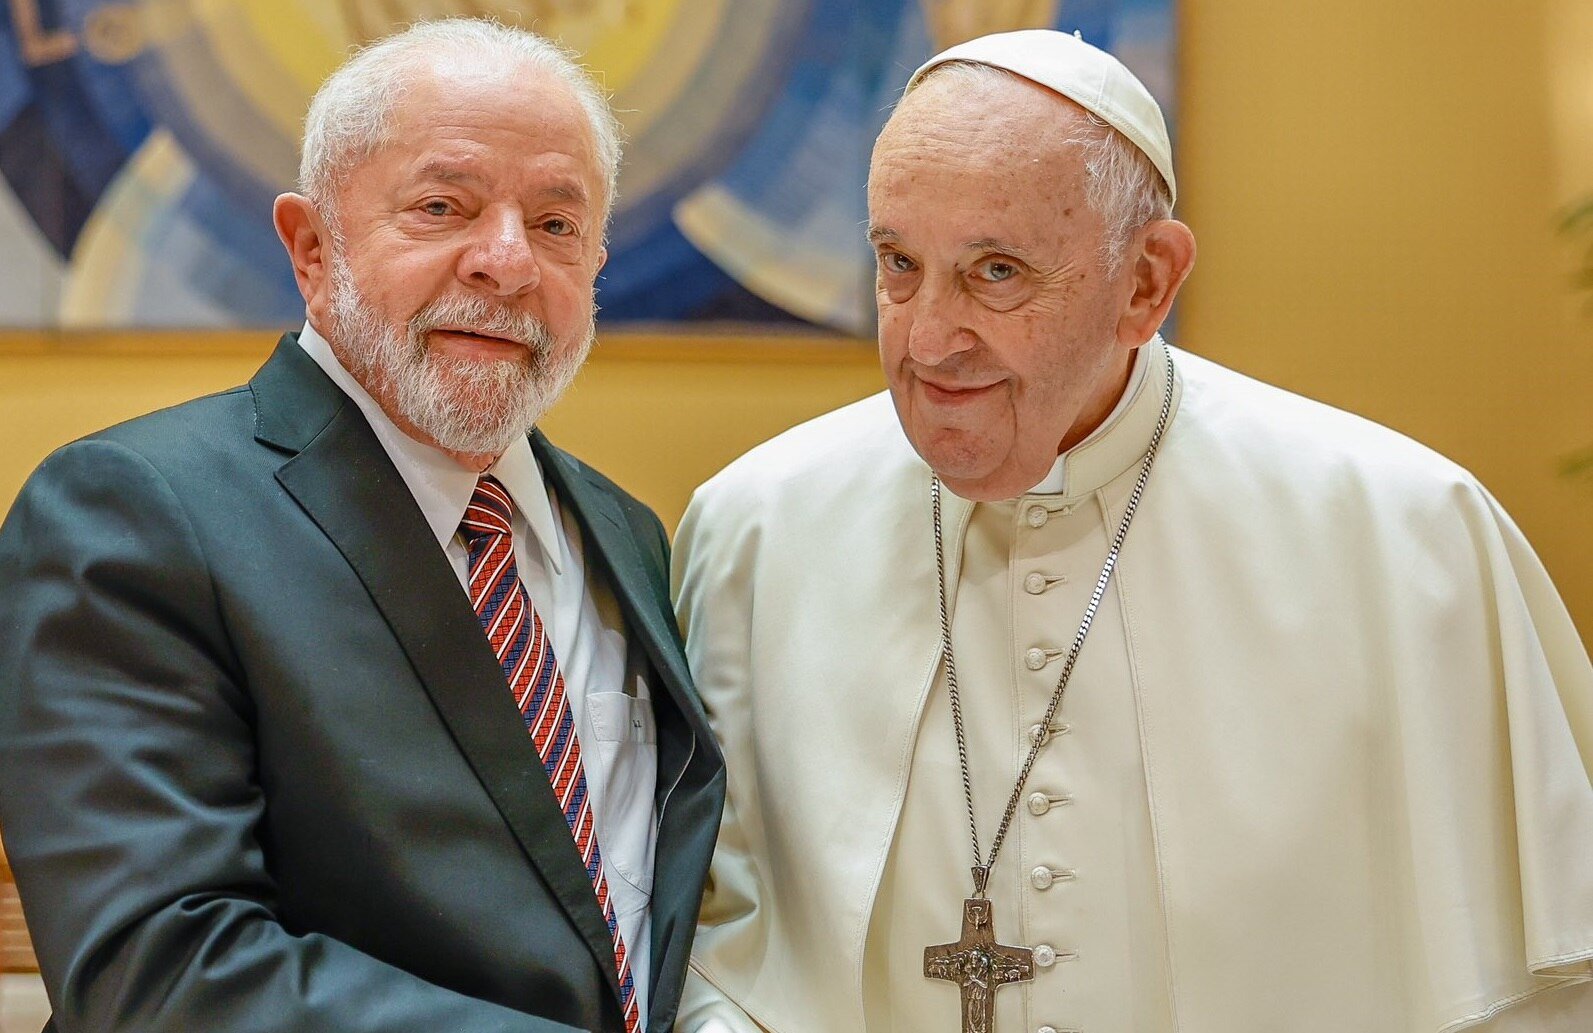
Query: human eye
997	270
558	226
437	207
895	262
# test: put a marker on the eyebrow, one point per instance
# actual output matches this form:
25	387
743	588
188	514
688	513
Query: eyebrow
993	244
567	193
878	234
447	173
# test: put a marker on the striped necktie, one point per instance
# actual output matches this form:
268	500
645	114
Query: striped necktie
523	648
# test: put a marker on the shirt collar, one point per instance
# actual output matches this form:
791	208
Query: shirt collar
441	487
1121	439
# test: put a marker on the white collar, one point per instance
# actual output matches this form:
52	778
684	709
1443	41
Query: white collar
1055	482
441	487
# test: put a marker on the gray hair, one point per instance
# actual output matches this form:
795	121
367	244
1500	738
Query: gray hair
1122	184
351	116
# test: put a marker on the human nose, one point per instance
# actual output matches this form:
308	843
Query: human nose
501	259
937	332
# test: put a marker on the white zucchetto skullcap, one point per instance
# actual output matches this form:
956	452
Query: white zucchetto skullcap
1086	75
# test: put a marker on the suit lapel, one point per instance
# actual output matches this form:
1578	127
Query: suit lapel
690	769
637	583
344	480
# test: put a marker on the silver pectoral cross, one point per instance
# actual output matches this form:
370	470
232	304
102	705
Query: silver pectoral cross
978	964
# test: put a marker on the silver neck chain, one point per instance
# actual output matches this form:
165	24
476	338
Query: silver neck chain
950	661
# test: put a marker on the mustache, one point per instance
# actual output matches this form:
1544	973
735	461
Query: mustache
481	316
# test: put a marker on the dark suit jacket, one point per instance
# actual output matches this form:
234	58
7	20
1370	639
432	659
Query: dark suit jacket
259	769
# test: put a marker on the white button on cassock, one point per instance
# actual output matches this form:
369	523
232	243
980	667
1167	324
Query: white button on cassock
1037	516
1043	877
1046	955
1039	734
1040	803
1034	659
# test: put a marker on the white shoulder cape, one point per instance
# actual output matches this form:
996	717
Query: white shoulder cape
1367	720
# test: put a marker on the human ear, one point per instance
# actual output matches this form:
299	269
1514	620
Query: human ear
306	236
1163	255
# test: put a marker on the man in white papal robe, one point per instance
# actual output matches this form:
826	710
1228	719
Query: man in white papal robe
1322	761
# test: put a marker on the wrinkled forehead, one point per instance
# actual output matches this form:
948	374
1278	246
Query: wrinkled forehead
513	95
1005	173
994	118
996	141
491	125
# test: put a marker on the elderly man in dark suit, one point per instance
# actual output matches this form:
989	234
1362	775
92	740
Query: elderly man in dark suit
338	701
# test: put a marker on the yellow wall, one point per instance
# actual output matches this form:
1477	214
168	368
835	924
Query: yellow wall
1373	186
657	415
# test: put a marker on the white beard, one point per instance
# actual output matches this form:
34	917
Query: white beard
465	405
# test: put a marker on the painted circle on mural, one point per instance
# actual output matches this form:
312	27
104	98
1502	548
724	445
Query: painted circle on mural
231	80
146	140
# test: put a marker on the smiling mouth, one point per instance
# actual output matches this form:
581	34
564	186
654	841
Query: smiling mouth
954	394
476	336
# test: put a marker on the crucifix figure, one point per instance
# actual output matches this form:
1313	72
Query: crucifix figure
978	965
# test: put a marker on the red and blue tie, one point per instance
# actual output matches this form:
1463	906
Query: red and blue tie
523	648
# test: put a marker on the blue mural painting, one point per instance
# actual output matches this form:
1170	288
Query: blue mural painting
142	142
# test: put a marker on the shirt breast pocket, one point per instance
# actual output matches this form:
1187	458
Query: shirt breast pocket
626	744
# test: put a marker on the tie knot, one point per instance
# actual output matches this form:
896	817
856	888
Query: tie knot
488	512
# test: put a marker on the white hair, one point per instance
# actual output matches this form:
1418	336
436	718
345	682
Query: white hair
1122	184
351	116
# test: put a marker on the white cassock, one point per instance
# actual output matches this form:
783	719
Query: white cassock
1322	764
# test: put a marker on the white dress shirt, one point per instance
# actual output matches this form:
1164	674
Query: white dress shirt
613	720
